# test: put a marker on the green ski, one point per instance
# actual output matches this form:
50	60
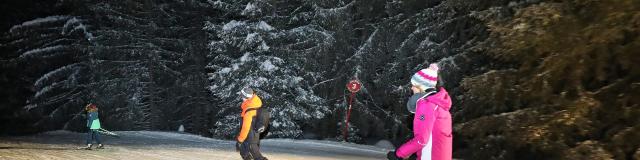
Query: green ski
108	133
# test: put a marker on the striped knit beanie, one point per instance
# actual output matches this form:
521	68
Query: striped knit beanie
426	77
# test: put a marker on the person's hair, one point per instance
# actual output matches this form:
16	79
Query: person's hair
91	107
421	87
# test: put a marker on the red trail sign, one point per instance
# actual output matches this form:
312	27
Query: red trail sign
353	86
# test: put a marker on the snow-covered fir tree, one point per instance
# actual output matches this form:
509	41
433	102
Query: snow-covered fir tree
153	51
267	48
52	51
127	57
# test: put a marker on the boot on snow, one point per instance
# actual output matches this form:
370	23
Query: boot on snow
100	146
88	147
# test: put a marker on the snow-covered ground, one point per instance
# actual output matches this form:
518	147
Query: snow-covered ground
141	145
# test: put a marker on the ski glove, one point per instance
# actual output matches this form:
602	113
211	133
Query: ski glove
261	129
237	146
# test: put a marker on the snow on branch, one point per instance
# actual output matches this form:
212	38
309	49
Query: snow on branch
41	51
364	47
55	74
251	10
77	26
38	21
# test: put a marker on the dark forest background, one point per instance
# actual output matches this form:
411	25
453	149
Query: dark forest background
531	79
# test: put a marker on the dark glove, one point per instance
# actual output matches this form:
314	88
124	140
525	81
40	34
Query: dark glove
261	129
237	146
391	155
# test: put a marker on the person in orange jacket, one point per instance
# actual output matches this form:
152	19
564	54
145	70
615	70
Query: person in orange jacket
249	139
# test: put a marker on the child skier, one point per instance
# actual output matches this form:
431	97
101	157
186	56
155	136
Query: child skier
249	138
432	139
93	123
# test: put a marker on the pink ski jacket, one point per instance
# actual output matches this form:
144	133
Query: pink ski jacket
432	138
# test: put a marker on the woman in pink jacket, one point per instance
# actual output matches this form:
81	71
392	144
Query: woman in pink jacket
432	139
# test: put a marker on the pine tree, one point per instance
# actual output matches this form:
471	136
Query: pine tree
52	52
273	59
130	58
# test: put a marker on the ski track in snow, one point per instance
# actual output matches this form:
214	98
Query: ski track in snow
141	145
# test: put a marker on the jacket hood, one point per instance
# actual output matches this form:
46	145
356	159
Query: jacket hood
441	99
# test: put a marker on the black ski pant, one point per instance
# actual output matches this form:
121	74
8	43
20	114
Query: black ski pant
250	148
93	134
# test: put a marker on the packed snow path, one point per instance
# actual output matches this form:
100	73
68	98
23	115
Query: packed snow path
141	145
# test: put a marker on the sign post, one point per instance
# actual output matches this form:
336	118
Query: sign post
353	86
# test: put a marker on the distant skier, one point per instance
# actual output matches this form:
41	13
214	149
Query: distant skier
93	123
249	138
432	138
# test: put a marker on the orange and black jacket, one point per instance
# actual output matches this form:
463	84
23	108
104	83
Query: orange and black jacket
247	116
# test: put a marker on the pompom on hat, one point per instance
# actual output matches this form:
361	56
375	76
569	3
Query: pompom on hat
428	78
